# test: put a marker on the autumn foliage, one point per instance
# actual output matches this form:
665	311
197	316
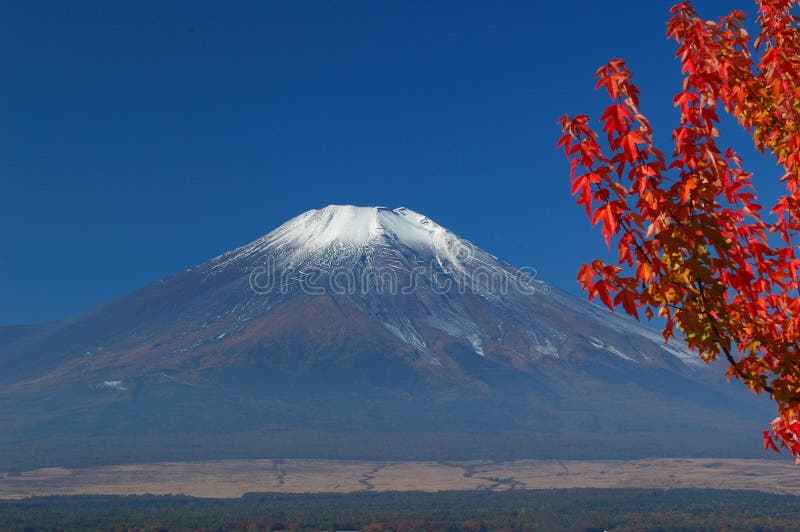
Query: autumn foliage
694	245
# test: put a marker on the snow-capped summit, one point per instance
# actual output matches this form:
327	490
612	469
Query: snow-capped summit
337	232
357	225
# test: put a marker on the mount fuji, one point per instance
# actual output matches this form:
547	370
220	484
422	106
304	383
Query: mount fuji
359	332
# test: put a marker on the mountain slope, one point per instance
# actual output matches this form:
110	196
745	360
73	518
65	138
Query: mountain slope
358	324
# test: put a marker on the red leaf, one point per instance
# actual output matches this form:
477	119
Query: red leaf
768	443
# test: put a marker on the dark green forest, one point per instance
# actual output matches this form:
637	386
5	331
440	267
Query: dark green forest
573	509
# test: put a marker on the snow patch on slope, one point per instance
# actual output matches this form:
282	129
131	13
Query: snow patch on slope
109	385
599	344
477	344
627	325
404	330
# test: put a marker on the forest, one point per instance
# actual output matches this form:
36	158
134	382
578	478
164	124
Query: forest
574	509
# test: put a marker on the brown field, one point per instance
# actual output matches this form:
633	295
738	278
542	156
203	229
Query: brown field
232	478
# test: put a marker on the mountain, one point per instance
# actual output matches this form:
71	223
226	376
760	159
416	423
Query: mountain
359	332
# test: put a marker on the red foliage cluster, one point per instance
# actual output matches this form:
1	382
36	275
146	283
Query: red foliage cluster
694	247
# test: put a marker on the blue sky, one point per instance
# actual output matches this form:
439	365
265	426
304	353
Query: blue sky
138	139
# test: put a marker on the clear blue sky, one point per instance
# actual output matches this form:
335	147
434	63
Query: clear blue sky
141	138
